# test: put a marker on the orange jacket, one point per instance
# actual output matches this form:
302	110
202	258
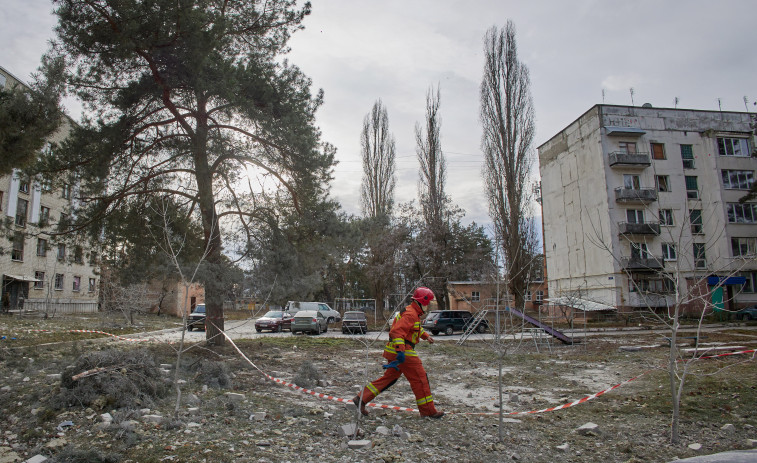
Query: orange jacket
406	327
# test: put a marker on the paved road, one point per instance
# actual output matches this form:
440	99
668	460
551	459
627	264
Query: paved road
245	329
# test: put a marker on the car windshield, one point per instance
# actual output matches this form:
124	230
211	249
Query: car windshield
354	316
199	309
273	314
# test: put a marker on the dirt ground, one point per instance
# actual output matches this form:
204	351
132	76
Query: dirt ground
123	408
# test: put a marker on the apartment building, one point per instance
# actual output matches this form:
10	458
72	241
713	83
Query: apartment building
642	203
40	270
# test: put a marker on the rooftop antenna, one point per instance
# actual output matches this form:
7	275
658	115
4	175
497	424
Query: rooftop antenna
746	103
631	90
720	106
603	96
675	102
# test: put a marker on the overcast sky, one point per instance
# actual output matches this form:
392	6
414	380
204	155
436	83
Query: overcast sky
358	51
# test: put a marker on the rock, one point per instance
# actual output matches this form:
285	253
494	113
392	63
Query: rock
191	399
564	447
193	410
166	366
511	420
383	430
348	430
263	443
27	379
695	446
106	418
415	438
588	429
152	418
234	396
57	443
144	411
36	459
7	455
54	376
514	398
729	428
258	416
192	424
359	444
128	425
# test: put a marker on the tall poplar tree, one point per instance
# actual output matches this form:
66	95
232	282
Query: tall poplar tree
190	99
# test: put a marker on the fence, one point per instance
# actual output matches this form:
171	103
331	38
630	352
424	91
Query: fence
59	307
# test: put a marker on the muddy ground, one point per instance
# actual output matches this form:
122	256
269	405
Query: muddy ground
123	408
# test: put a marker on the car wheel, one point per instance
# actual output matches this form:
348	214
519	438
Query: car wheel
190	327
258	329
278	329
434	332
325	328
448	331
481	328
330	320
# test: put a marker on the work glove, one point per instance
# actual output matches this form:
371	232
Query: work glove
395	363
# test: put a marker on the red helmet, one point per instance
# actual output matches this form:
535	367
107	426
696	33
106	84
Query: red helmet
423	295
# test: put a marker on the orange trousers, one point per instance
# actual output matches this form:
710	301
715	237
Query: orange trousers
413	370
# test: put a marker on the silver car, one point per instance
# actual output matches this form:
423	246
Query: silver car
309	321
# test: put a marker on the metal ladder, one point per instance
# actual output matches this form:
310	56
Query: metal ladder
472	326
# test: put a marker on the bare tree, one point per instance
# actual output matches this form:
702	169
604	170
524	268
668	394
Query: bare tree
378	148
433	199
507	116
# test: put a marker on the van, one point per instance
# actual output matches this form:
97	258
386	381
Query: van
330	314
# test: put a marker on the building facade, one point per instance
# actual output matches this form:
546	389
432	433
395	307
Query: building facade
39	269
641	205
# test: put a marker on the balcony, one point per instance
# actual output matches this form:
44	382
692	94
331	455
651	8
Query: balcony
635	195
642	264
646	228
626	159
648	299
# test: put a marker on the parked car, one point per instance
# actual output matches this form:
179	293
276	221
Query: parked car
274	320
197	318
354	322
331	315
747	313
310	321
449	321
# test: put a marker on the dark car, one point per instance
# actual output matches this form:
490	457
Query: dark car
747	313
354	322
197	318
449	321
274	320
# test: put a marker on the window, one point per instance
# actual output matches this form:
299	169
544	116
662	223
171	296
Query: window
78	255
631	182
695	218
700	260
44	215
17	253
669	251
539	297
742	213
635	216
663	183
639	251
41	247
687	156
692	187
528	296
46	186
743	247
666	217
40	277
658	151
77	284
751	282
59	281
652	285
737	179
92	285
733	147
61	252
23	187
66	191
21	208
628	147
475	296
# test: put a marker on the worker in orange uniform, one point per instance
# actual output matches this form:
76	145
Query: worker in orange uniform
404	334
